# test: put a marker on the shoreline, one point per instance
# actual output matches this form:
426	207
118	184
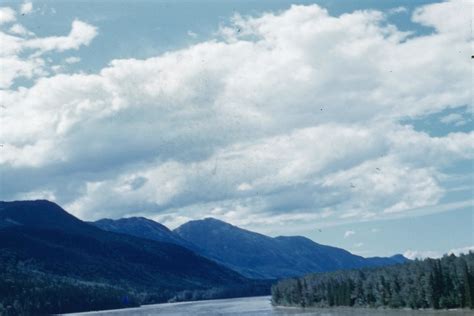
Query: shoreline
375	309
149	306
151	309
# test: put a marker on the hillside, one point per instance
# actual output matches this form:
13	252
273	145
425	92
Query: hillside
251	254
46	250
143	228
259	256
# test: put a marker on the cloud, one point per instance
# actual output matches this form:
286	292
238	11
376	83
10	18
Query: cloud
26	8
72	60
39	195
375	230
415	254
81	34
398	10
447	17
7	15
192	34
244	187
463	250
289	117
453	118
21	54
19	29
349	233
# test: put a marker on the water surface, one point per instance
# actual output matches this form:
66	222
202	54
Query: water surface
261	306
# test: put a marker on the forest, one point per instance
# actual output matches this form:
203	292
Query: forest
52	262
27	291
51	284
432	283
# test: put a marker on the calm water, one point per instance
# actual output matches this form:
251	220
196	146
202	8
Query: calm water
259	306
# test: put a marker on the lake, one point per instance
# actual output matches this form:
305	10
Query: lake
260	306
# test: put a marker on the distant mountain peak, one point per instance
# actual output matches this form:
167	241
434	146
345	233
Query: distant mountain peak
138	219
45	204
40	214
214	223
211	220
57	251
132	220
260	256
144	228
399	258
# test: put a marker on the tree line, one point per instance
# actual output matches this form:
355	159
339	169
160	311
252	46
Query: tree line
35	293
432	283
26	290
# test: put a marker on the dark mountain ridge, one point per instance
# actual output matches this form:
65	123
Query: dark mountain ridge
259	256
40	213
251	254
144	228
43	249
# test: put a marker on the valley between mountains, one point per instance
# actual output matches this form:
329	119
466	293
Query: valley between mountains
52	262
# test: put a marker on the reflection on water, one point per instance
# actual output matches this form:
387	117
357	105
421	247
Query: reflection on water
261	306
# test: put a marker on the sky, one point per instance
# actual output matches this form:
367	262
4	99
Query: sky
348	122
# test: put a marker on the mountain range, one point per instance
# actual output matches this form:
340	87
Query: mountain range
53	262
46	252
251	254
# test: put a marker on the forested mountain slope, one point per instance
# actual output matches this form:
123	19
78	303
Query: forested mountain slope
143	228
52	262
259	256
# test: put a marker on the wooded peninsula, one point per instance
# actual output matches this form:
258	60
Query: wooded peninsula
432	283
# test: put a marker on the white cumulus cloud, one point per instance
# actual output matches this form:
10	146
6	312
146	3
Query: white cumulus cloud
7	15
349	233
26	8
453	118
21	53
283	118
